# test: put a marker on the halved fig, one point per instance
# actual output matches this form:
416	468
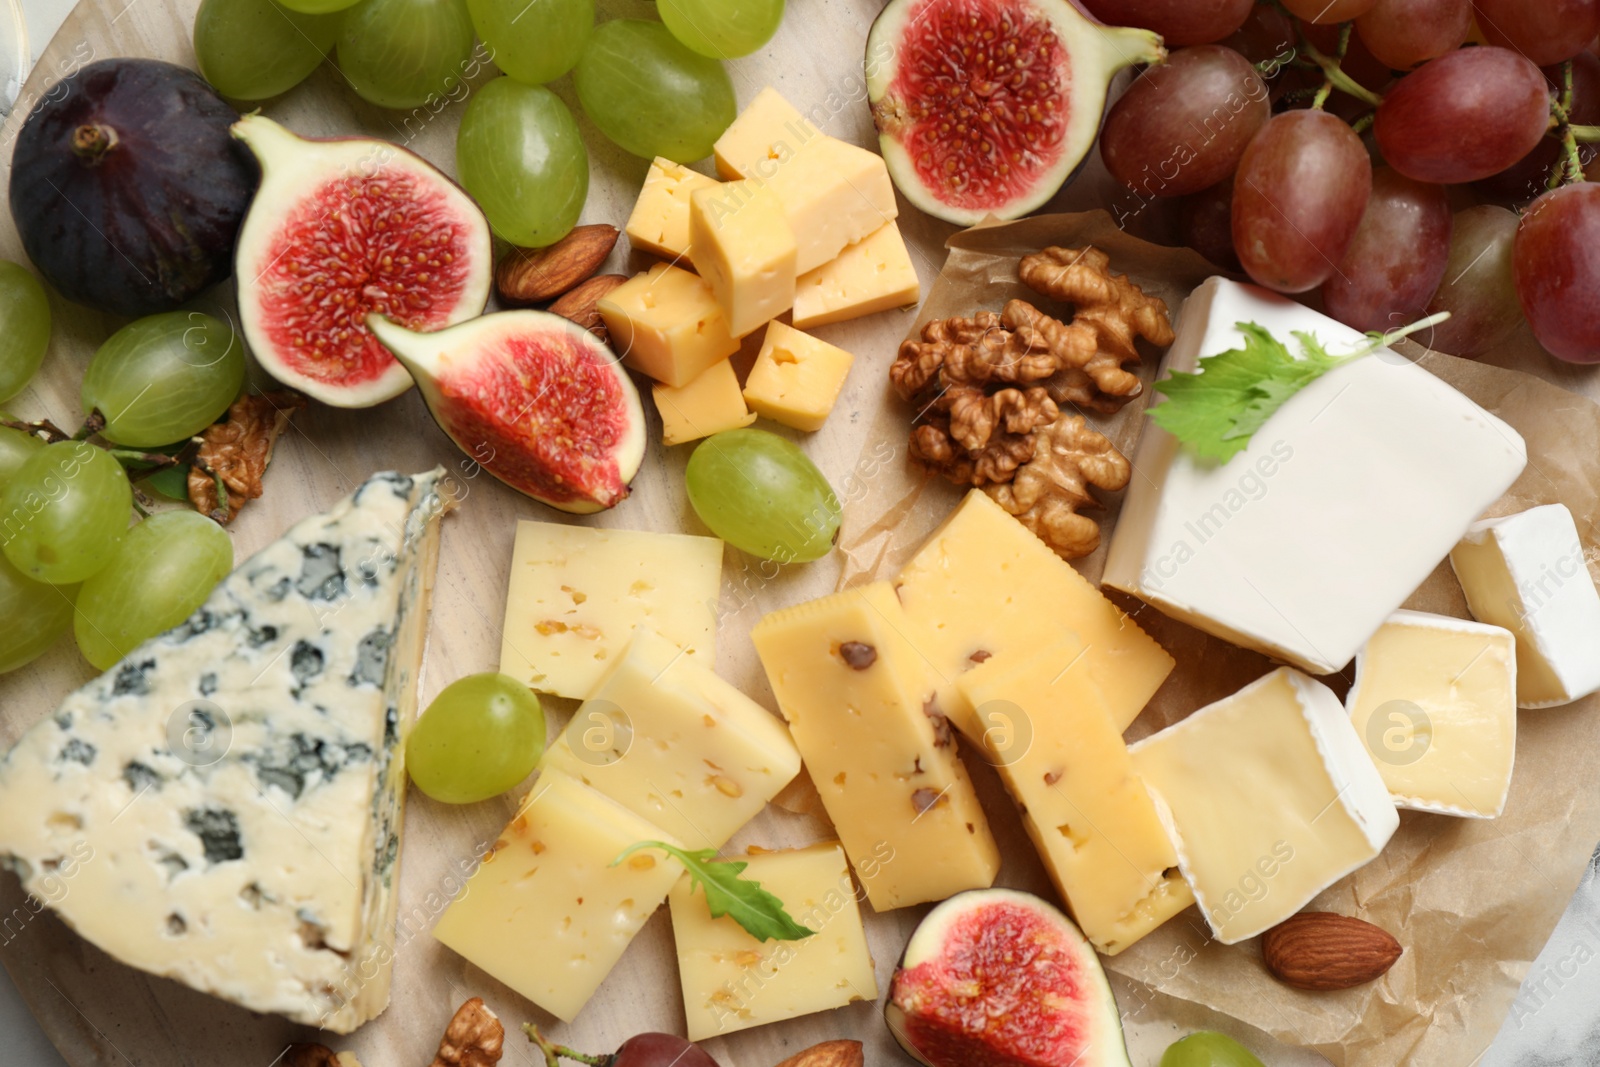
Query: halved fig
341	229
1001	978
988	107
534	399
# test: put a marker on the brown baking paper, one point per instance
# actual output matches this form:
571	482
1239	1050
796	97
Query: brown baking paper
1473	901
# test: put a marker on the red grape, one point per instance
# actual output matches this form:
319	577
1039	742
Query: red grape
1546	31
1267	34
660	1050
1530	176
1205	223
1179	22
1184	124
1557	262
1397	257
1297	199
1327	12
1405	33
1463	116
1478	288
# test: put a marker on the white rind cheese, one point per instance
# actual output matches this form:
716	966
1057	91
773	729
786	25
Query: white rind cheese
1528	573
229	796
1343	503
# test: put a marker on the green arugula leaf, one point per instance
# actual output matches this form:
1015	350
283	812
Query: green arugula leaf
172	483
755	909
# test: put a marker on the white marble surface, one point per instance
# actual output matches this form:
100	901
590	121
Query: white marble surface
1554	1023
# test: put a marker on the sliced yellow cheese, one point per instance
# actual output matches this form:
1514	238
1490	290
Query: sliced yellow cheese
859	703
577	594
874	274
741	243
709	404
768	131
796	379
834	194
983	585
732	981
675	744
660	219
546	913
1089	815
667	323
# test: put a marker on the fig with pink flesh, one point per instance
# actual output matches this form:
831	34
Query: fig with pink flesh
342	229
534	399
988	107
1001	978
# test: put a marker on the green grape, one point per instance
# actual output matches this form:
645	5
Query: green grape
1208	1049
32	616
482	735
25	314
759	492
402	53
319	7
163	570
15	448
650	94
520	155
64	512
164	378
722	29
534	41
256	49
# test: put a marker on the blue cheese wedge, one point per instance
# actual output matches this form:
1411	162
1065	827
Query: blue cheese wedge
229	795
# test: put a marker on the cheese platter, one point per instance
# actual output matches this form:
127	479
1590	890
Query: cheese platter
780	601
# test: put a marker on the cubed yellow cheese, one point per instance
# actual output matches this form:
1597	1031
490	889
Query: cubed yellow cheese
740	242
767	131
660	219
834	194
874	274
667	323
577	594
1089	815
1270	798
983	585
1435	700
731	981
859	701
797	378
673	743
546	913
709	404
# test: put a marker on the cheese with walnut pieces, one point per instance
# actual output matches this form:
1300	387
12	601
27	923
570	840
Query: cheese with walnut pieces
224	804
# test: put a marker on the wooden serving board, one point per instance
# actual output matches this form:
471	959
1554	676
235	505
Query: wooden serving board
99	1012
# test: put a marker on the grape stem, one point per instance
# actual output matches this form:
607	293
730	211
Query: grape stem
553	1053
44	429
1569	168
154	460
1333	75
91	426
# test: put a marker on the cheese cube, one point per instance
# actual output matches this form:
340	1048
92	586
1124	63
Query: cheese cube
673	743
1270	797
577	593
660	219
984	586
797	378
709	404
859	701
1088	813
1528	573
1345	500
1435	701
834	194
732	981
768	131
874	274
667	323
545	912
740	242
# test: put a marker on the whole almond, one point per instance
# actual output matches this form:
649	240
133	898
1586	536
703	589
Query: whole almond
828	1054
1319	950
534	275
579	304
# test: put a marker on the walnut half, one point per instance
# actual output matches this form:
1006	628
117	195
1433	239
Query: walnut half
474	1038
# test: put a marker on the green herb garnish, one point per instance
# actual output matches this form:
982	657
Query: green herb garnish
755	909
1215	410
